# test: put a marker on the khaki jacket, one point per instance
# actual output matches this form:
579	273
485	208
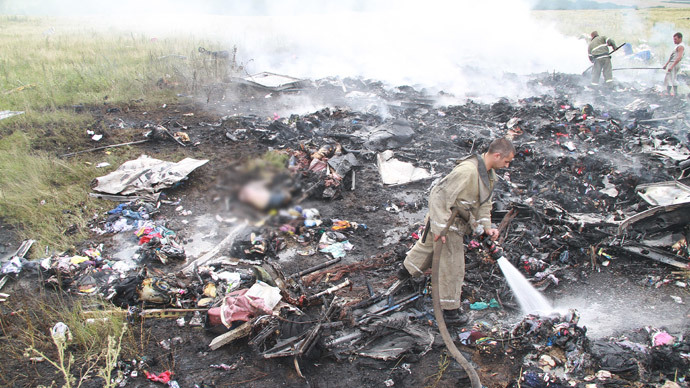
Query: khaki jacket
468	187
599	46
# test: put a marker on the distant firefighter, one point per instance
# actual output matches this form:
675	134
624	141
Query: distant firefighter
600	56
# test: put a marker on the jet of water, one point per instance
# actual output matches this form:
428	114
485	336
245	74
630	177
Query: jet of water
531	301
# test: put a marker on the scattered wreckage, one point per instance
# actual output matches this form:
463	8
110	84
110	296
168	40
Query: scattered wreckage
597	178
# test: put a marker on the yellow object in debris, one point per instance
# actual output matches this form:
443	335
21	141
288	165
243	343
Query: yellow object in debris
210	290
182	136
154	291
76	260
679	245
602	253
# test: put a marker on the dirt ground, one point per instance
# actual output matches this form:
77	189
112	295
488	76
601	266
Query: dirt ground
194	207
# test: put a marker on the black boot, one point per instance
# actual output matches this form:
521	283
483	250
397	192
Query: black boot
402	273
455	317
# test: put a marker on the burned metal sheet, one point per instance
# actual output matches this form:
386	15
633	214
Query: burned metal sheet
389	348
388	136
4	114
668	215
592	218
664	193
145	175
271	81
656	254
397	172
675	153
342	164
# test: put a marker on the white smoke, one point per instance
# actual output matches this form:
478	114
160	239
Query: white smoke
464	48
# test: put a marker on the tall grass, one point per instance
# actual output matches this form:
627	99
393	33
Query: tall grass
653	27
51	69
94	344
67	66
44	195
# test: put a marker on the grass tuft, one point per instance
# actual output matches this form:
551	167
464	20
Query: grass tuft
94	344
45	196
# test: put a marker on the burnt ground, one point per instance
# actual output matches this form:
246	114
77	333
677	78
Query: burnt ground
573	144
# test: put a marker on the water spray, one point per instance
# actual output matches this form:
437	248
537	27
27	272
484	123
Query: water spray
528	297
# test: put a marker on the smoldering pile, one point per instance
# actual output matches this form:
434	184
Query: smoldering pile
589	184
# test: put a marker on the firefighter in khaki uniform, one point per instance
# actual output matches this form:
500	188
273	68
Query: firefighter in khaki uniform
599	55
468	188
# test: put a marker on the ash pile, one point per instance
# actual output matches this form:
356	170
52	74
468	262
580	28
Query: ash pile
599	183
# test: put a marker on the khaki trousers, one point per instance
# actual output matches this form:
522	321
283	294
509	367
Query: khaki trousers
671	77
451	270
602	64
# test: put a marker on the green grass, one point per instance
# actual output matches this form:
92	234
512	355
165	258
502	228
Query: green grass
65	66
654	27
44	195
48	67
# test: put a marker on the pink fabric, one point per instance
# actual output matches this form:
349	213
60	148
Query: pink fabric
239	307
662	338
161	378
317	165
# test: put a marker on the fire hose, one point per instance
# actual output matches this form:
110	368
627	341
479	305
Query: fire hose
637	68
438	312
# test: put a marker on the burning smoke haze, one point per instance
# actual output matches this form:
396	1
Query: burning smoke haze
464	48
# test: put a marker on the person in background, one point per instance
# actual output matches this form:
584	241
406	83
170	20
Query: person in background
600	56
672	70
468	187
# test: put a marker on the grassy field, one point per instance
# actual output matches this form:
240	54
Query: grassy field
55	75
49	67
653	26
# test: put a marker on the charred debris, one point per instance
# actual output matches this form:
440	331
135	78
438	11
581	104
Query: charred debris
599	176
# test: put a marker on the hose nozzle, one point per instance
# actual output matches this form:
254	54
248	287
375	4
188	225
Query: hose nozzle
492	247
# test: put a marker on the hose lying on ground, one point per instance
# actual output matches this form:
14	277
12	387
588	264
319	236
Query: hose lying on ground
438	312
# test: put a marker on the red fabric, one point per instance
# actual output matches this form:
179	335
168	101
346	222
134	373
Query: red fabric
148	238
161	378
239	307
